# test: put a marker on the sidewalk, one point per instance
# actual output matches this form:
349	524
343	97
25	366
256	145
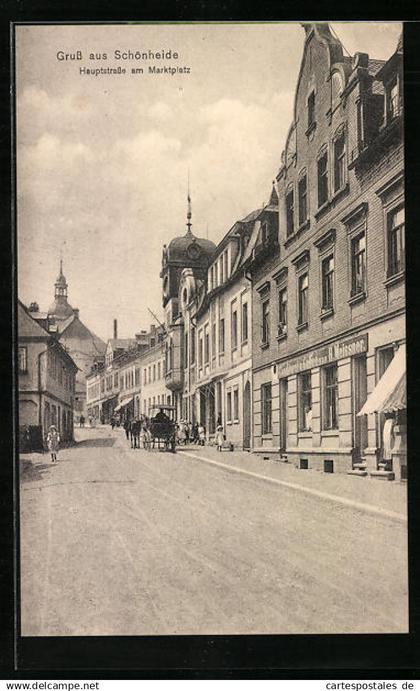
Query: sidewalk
375	494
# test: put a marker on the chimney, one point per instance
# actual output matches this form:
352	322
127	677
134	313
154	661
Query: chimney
76	312
115	329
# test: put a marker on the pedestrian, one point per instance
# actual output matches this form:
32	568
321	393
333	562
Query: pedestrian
90	421
82	421
53	443
220	437
187	432
112	422
126	426
201	434
195	433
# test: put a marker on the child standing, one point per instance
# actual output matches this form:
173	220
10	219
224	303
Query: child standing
53	443
220	437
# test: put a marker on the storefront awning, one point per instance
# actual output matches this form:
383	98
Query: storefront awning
123	402
389	393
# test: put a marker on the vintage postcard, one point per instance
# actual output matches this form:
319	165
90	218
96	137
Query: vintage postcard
211	328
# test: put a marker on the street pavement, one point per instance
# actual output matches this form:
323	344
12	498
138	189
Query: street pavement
116	541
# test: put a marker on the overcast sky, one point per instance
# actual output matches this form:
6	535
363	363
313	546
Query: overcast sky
103	161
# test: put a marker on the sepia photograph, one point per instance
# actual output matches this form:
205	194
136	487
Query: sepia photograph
211	347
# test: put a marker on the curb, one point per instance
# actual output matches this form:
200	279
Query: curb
368	508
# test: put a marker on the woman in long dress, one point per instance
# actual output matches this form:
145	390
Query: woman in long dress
53	443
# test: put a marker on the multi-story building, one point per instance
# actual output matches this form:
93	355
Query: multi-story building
131	378
47	376
328	295
183	252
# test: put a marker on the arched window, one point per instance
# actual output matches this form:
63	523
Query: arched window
336	88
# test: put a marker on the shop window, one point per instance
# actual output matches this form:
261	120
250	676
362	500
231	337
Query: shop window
358	264
265	322
23	359
330	397
282	325
339	162
236	405
327	271
396	241
290	212
305	402
323	178
221	336
229	406
244	325
266	409
303	198
303	290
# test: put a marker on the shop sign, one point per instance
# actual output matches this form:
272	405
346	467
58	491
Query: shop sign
322	356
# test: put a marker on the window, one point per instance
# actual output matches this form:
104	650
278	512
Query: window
234	327
158	371
322	178
327	271
200	350
121	382
311	109
216	280
393	104
289	213
236	405
266	406
282	310
186	350
305	402
213	341
396	244
23	359
330	398
358	264
244	322
303	198
303	299
339	162
154	372
206	345
221	269
145	376
192	349
226	264
265	319
229	406
116	379
221	336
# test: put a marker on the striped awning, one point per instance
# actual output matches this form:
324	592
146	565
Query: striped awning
389	393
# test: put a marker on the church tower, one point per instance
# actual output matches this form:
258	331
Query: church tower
60	308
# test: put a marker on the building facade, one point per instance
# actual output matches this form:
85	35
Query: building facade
47	379
328	296
130	380
83	345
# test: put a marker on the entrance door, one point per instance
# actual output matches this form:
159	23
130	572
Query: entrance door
360	440
246	416
202	419
212	409
283	414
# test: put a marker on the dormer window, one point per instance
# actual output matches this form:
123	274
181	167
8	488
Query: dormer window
393	104
290	210
265	233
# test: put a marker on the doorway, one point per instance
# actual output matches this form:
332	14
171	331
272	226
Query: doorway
360	440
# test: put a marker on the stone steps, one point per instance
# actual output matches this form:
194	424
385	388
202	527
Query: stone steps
382	474
360	472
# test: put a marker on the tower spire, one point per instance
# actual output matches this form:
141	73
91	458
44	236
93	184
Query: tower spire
189	213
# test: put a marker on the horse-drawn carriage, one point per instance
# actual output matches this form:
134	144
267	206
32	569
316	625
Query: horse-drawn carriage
161	428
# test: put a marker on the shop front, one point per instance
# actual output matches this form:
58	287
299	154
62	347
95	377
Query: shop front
328	413
125	407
